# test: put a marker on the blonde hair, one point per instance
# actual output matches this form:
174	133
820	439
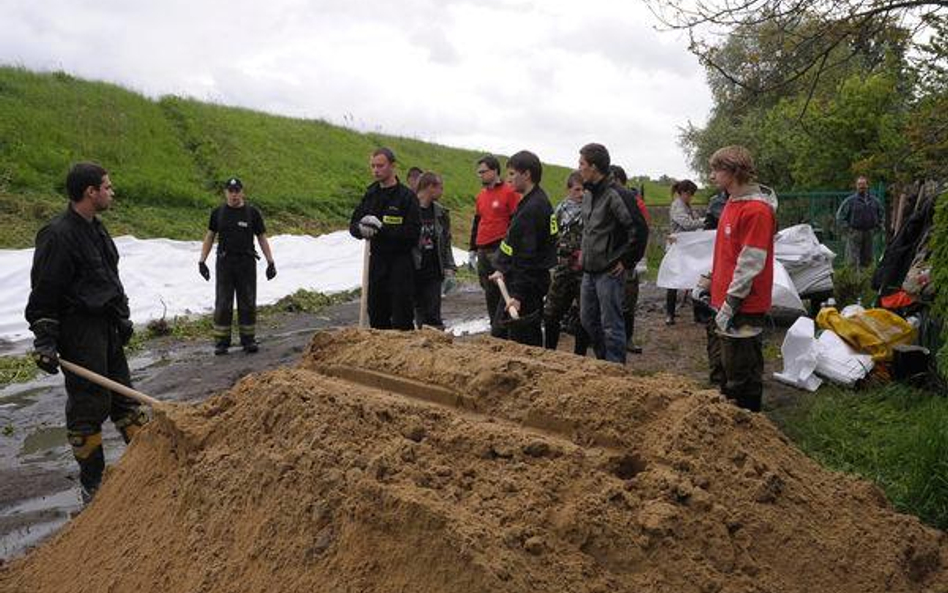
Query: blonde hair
736	160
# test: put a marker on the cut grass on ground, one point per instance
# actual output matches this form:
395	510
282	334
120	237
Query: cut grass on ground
894	435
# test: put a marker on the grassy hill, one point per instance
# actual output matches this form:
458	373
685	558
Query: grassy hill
169	156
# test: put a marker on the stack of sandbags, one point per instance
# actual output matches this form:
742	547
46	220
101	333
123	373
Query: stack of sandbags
809	263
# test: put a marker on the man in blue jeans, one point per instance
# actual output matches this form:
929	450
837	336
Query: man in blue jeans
610	232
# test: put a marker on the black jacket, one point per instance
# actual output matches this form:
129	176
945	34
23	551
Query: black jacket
75	271
636	241
397	208
529	248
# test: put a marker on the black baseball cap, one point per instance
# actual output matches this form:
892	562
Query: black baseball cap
234	184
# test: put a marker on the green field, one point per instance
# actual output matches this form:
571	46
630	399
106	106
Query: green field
168	156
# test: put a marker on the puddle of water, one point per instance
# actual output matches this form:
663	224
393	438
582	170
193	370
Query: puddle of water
51	512
20	398
44	439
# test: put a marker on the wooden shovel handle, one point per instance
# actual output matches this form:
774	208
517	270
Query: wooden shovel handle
109	384
514	314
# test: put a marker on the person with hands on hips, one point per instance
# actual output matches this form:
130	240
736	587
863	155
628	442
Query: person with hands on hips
235	224
741	278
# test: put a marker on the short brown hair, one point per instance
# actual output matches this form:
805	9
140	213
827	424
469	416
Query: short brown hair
429	179
386	152
82	176
575	178
736	160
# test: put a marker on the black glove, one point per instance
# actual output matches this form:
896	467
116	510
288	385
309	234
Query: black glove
125	330
271	271
203	271
44	346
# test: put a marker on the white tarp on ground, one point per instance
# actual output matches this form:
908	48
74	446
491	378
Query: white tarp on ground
691	255
161	273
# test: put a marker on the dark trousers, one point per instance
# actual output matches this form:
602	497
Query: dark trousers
428	303
528	329
93	342
601	304
391	284
631	302
671	301
563	292
737	364
236	275
485	267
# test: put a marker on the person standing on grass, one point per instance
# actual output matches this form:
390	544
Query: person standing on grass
433	256
568	273
236	223
78	308
388	217
493	210
633	201
742	277
681	219
859	217
527	252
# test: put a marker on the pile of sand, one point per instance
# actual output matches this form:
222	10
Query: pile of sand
404	462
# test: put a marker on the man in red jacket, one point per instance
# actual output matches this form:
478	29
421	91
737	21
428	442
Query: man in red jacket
742	277
495	206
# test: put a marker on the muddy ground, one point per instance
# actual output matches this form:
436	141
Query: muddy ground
38	491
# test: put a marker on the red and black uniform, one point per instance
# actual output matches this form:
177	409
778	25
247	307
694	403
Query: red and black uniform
78	302
391	266
525	257
494	209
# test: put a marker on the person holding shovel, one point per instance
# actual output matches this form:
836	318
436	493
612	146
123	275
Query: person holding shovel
742	276
77	308
526	254
388	217
236	223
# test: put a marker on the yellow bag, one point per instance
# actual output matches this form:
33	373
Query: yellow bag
873	332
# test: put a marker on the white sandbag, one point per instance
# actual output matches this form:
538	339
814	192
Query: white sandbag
800	352
839	362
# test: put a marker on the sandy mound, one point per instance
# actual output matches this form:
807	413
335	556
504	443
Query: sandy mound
404	462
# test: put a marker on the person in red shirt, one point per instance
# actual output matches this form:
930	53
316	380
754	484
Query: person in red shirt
495	207
742	276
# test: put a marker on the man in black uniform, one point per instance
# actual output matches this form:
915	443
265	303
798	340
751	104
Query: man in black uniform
528	251
78	308
388	217
237	223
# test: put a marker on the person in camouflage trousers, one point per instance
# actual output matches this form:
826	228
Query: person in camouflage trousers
568	274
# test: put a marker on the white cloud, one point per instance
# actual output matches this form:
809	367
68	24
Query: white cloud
493	74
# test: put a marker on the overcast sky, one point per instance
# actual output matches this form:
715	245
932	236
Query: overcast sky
500	75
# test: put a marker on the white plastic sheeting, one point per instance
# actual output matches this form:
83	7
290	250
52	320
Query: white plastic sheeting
691	255
805	356
160	275
809	262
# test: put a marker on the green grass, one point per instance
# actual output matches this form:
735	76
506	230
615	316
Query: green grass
893	435
16	369
168	157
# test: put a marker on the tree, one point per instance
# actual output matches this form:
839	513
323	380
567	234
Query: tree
803	38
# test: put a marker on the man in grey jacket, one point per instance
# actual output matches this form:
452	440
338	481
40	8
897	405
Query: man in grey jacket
859	217
610	229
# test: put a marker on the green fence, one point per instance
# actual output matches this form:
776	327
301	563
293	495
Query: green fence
818	209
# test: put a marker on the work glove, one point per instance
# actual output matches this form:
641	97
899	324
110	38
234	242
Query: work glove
44	346
725	316
369	226
203	271
472	259
126	329
271	271
449	283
